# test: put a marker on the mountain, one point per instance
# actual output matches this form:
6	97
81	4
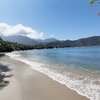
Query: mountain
13	43
25	40
9	46
19	39
90	41
6	46
52	42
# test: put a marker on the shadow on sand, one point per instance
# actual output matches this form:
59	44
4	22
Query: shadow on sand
4	69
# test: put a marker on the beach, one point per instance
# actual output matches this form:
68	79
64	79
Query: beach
28	84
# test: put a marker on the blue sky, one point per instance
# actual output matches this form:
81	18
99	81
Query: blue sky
63	19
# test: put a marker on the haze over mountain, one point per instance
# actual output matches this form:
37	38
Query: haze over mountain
53	42
26	40
19	39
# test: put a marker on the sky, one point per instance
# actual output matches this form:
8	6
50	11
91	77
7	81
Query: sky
61	19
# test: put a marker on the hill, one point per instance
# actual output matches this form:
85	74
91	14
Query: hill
6	46
27	41
19	39
9	46
90	41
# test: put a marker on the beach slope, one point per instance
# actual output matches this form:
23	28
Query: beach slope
28	84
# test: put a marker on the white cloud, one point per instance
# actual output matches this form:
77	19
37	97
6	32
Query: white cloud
19	29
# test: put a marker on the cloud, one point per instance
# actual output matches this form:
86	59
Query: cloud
19	29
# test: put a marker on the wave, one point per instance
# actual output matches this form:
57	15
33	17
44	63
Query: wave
83	87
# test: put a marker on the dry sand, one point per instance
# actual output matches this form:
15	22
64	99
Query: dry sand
28	84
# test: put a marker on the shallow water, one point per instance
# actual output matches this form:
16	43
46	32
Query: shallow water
77	68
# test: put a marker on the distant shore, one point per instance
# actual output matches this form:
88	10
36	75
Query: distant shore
28	84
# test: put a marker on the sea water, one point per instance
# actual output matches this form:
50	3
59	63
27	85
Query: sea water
77	68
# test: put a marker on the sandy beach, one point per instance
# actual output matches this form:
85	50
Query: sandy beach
28	84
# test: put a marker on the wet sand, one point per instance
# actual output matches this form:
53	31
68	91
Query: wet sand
28	84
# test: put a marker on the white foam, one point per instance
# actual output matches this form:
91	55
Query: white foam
82	87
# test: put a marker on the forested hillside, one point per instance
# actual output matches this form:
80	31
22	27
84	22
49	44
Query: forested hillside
8	46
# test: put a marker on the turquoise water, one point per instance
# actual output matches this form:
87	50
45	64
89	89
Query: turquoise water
77	68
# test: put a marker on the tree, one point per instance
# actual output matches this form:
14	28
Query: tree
92	2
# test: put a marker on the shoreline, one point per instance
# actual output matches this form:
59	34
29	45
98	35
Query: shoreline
30	64
49	90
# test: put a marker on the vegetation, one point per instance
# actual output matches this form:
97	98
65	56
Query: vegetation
6	46
92	2
9	46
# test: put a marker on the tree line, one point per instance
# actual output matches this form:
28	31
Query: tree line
6	46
